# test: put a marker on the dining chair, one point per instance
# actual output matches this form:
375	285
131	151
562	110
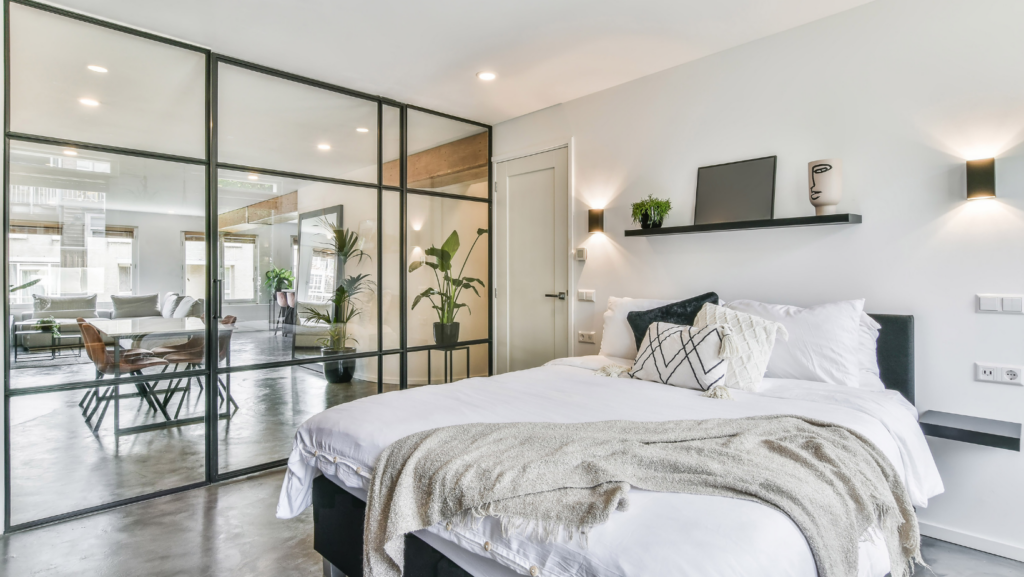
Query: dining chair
194	357
131	364
92	395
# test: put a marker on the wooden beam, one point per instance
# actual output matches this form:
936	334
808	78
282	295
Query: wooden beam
282	208
458	162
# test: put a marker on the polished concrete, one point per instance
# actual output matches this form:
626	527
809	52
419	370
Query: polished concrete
230	530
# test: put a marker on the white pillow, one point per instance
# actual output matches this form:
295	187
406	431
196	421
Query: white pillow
618	339
824	341
183	308
682	356
752	339
868	341
870	382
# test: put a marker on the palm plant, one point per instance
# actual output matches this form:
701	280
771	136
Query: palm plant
449	288
346	299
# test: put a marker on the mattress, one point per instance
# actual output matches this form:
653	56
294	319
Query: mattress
661	533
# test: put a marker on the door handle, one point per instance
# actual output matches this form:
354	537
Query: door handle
559	296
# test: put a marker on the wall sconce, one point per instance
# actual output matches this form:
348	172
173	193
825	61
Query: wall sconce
417	255
981	178
596	216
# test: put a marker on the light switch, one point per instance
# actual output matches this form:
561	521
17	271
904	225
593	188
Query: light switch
989	303
1013	304
585	296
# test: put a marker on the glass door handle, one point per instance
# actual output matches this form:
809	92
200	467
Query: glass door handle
559	296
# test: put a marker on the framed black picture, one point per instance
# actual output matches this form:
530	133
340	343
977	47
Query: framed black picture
735	191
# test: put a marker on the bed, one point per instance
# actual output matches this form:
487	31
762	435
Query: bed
662	533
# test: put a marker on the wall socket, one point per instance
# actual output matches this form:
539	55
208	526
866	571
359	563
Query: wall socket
989	373
587	337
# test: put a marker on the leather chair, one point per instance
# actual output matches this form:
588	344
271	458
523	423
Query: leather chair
193	357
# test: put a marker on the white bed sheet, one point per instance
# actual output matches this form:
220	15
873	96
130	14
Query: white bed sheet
661	533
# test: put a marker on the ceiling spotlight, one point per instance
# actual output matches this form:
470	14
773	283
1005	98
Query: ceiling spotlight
253	177
95	68
324	146
486	75
361	129
88	102
70	153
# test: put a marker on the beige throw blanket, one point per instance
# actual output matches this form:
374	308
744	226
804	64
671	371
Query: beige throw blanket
560	480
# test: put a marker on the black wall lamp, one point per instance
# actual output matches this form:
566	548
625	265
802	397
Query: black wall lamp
596	216
981	178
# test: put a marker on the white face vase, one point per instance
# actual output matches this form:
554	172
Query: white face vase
825	184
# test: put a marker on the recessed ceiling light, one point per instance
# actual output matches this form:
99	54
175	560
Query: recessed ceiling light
70	153
361	129
88	102
253	177
95	68
486	75
324	146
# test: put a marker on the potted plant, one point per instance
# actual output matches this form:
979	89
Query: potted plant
345	305
278	279
651	212
449	288
50	325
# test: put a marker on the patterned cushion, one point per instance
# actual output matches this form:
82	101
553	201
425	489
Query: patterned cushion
68	303
752	338
682	356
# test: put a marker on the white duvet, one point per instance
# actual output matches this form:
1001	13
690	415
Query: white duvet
661	534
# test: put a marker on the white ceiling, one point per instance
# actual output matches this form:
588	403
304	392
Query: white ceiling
427	52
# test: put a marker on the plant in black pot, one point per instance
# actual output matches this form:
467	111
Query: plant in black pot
651	212
345	305
445	298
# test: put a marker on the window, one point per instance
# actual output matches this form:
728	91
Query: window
241	266
81	256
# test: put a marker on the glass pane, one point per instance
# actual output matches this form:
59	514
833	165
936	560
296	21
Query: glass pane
432	221
272	403
288	291
447	155
82	82
447	365
62	461
99	237
392	146
390	289
272	123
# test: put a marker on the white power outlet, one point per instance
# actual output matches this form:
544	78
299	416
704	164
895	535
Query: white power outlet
998	373
587	337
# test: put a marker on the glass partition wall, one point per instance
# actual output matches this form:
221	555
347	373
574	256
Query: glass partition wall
167	206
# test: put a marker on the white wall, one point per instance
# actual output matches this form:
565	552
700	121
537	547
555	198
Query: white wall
903	91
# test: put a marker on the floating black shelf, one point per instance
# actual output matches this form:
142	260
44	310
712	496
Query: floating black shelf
987	432
750	224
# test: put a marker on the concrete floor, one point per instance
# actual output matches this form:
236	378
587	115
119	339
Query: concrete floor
58	464
230	529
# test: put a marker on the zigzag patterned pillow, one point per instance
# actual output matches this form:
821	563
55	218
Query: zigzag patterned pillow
682	356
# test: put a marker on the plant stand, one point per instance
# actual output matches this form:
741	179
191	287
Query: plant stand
449	363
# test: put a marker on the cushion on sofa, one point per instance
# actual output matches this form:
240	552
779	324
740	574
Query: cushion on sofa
63	303
70	314
170	302
131	306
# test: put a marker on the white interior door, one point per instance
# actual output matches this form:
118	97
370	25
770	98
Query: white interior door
532	260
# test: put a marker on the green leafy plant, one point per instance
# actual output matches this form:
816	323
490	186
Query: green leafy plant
26	285
656	209
347	297
279	279
49	324
449	288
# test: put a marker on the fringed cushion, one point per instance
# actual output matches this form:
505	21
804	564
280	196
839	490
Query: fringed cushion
752	340
683	356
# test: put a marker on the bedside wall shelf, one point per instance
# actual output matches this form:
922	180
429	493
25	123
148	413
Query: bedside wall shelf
987	432
750	225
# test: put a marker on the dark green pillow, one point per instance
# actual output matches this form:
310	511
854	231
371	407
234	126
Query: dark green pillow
680	313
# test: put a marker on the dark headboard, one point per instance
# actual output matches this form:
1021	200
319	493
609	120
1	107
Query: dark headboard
896	353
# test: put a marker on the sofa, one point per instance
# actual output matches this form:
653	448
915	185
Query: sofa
66	310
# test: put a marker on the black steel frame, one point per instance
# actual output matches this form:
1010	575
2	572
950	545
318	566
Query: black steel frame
214	285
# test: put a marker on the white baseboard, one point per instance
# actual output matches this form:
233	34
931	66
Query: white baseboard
973	541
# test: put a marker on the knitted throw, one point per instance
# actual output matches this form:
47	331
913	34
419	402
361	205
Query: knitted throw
559	480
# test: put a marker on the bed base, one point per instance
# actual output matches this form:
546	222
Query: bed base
338	518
